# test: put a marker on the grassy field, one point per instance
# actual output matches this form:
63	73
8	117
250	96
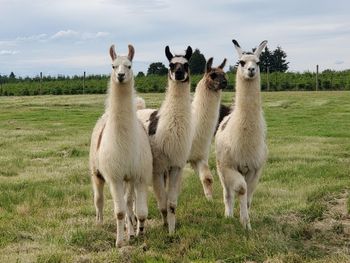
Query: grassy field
300	211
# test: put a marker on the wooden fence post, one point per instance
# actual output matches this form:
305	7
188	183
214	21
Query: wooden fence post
316	77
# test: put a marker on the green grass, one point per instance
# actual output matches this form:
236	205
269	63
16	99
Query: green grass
300	210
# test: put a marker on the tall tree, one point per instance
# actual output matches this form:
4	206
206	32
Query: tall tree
274	60
279	61
12	75
157	68
265	60
197	62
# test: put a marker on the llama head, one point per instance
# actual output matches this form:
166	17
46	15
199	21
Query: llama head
178	67
122	72
215	78
248	66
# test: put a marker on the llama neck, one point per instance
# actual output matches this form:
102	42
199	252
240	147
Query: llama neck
205	103
248	96
177	95
120	104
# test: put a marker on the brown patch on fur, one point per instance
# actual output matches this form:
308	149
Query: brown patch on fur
241	191
224	124
172	209
99	176
224	111
208	181
120	215
153	119
100	137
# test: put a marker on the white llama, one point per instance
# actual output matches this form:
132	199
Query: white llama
120	153
241	151
205	114
170	133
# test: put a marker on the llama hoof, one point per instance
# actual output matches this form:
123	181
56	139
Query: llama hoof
120	243
141	231
209	197
246	223
228	213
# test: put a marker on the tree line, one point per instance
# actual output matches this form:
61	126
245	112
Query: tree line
273	66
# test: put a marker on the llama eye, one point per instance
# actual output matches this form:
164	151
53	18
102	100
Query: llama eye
129	67
113	67
258	63
186	66
213	75
242	63
172	66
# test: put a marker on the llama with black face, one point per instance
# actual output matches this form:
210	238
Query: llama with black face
120	153
170	133
205	114
241	150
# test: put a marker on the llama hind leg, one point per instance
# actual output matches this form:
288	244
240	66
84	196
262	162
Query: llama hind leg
160	193
206	178
173	194
141	208
117	192
98	184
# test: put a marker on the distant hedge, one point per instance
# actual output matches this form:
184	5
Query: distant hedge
327	80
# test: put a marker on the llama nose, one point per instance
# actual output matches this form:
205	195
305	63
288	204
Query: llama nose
121	75
251	69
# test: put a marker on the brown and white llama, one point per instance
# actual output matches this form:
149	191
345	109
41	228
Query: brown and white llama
120	153
241	150
170	133
205	114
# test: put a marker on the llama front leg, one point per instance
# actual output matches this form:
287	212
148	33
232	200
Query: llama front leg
240	187
206	178
173	194
252	179
130	216
225	176
160	193
141	208
117	192
98	185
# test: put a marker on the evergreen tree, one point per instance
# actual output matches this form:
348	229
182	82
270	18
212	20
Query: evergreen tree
265	60
157	68
197	62
12	75
279	62
140	74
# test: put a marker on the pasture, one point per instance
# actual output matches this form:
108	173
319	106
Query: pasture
300	211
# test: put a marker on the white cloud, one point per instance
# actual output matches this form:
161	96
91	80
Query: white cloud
8	52
65	34
339	62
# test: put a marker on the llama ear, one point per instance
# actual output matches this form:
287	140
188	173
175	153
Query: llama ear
168	53
188	53
222	65
131	52
238	47
112	53
208	65
260	48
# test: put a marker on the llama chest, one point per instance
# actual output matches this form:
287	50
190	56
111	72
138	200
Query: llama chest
244	144
117	155
173	139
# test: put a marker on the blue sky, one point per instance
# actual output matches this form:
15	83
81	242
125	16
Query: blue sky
72	36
